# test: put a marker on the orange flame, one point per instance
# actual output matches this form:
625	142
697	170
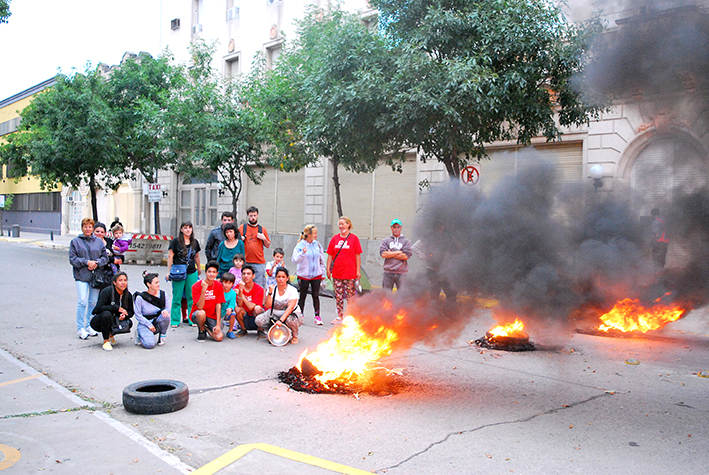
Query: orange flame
628	315
349	353
507	330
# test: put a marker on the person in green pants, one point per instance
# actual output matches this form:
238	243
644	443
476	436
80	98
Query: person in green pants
183	251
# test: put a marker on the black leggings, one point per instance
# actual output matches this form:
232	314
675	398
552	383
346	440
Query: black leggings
315	288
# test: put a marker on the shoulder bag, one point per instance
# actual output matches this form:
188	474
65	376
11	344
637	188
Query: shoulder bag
178	272
119	326
101	277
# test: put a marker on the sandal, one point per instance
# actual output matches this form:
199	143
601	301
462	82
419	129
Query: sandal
336	321
294	340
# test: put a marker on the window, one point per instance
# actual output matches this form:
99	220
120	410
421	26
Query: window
185	205
231	67
12	170
10	126
272	54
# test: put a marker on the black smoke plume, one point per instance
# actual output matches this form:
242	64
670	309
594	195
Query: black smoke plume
656	49
556	256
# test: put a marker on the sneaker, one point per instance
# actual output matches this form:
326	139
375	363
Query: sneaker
184	320
202	336
317	320
260	334
91	331
230	335
113	340
161	340
337	321
241	333
107	346
294	340
83	334
136	340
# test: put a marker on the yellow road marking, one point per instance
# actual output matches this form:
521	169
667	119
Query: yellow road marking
11	456
7	383
236	453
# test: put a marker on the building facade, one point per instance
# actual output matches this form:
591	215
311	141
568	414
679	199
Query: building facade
33	209
648	149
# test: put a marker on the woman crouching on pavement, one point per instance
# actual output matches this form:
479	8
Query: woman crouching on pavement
151	312
283	299
115	304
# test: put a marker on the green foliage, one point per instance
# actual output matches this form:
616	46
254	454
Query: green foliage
138	91
8	201
328	95
471	72
68	134
4	11
209	126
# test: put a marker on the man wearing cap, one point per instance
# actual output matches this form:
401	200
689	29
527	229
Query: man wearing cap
395	250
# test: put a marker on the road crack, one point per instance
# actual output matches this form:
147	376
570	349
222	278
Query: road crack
494	424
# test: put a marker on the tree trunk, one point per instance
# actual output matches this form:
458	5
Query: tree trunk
336	180
92	192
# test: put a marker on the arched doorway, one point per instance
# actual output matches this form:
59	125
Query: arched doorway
665	169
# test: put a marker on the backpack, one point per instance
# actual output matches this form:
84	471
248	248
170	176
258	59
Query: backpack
243	232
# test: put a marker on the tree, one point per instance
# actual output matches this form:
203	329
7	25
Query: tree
472	72
210	129
328	97
68	136
4	11
138	91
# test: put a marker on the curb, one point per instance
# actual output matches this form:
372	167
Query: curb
43	244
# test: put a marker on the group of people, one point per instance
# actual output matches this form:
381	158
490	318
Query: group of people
239	291
104	304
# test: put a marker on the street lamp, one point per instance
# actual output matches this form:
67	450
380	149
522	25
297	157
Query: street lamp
596	172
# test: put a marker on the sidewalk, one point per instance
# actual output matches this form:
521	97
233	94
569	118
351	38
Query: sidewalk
51	425
41	240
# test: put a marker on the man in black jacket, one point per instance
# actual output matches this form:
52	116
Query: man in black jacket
216	236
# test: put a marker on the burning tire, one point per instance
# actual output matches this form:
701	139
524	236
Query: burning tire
157	396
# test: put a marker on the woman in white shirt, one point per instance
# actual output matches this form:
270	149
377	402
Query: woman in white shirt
282	306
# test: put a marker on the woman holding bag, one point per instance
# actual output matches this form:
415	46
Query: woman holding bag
86	254
309	256
114	310
183	262
344	258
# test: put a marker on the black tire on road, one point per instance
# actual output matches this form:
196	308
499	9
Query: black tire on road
157	396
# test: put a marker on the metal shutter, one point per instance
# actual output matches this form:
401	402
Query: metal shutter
290	202
394	197
263	197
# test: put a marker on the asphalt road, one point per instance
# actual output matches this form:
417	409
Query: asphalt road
576	408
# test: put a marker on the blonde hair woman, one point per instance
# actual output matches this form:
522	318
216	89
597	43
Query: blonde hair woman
310	258
344	259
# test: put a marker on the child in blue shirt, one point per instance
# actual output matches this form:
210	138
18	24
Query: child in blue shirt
229	305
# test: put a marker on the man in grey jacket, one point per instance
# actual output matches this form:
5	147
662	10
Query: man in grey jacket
395	250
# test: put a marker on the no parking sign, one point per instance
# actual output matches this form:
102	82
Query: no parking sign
470	175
